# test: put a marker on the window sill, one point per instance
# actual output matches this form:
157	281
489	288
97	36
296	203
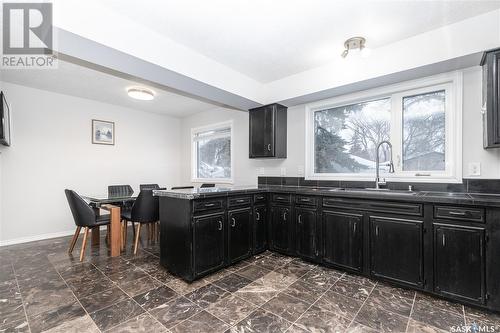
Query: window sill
212	180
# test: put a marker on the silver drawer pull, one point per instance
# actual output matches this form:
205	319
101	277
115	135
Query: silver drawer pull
458	213
209	204
258	216
444	240
300	219
220	225
240	200
233	222
284	216
269	147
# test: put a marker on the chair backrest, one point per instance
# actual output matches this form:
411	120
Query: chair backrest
181	187
120	190
83	214
207	185
146	207
149	187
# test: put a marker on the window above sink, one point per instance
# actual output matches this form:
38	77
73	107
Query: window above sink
421	118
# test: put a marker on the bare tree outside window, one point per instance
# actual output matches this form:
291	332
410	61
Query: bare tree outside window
424	132
213	154
345	137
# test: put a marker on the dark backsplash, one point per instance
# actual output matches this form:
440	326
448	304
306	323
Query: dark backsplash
468	185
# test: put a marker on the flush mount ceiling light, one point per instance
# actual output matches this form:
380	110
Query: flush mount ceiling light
142	94
356	43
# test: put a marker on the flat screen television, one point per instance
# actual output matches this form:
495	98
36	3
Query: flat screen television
4	121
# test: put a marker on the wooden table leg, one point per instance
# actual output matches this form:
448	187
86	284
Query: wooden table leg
116	239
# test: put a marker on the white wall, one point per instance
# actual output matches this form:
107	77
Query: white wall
52	150
246	170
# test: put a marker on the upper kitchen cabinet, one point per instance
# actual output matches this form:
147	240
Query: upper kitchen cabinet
491	98
268	131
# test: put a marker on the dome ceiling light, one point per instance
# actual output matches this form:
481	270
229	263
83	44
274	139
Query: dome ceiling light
356	43
142	94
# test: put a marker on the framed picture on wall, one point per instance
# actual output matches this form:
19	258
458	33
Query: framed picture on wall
103	132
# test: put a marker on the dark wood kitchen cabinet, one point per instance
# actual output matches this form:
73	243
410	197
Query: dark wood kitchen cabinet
396	250
240	225
306	235
459	263
491	99
260	229
281	229
208	243
268	131
343	240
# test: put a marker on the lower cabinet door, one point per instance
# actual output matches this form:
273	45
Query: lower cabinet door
208	243
343	239
459	269
396	250
260	229
239	234
306	232
280	228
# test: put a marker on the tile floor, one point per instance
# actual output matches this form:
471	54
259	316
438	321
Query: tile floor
42	289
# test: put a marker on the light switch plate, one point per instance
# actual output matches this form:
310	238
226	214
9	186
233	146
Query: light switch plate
300	170
475	169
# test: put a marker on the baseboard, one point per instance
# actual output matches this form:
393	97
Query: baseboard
36	238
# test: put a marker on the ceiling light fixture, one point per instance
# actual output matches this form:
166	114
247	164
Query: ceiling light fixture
356	43
142	94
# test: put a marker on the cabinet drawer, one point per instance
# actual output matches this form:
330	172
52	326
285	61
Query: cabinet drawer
260	198
239	201
459	213
306	200
211	204
375	206
285	198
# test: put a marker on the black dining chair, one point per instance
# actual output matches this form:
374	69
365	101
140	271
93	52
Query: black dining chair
181	187
149	187
207	185
145	210
85	217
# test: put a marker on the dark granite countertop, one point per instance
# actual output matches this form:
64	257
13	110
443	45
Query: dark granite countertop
459	198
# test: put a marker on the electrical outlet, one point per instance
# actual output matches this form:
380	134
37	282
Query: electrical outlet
283	172
475	169
300	170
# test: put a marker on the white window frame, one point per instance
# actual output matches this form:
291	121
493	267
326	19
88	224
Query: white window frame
194	155
450	82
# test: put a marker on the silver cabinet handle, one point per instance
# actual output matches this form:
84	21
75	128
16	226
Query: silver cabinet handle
209	204
444	240
354	228
300	219
457	213
269	147
258	216
240	200
220	225
376	230
284	216
233	222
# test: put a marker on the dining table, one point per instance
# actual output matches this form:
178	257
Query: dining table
113	205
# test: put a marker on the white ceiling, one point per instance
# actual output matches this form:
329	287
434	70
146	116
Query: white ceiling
76	80
269	40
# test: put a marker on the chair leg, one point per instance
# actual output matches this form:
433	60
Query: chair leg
74	239
84	244
124	234
107	235
137	236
